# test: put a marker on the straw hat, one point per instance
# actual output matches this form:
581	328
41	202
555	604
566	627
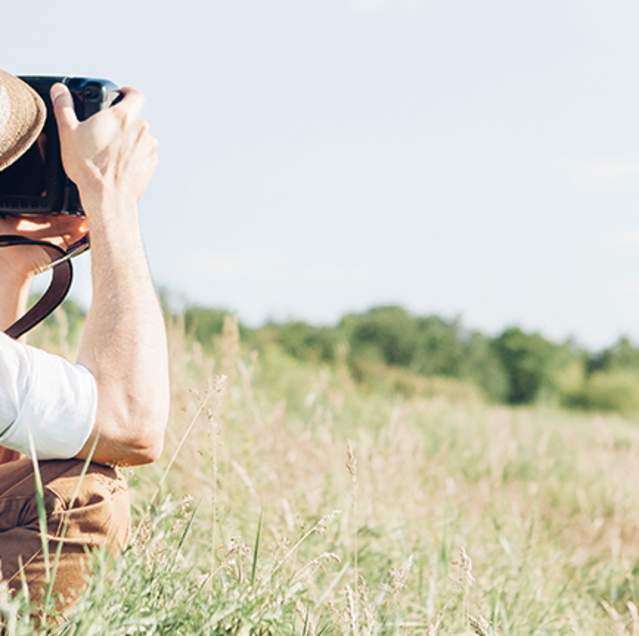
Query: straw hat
22	116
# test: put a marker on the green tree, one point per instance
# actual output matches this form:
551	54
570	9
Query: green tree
623	354
483	365
205	323
531	363
438	348
387	333
304	341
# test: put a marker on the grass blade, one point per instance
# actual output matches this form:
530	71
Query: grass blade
256	549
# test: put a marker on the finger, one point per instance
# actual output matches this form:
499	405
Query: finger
74	237
59	223
141	132
148	154
153	142
151	148
143	136
63	107
67	222
72	231
53	226
132	102
28	225
139	139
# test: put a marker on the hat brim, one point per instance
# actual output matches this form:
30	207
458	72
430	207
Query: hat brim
22	117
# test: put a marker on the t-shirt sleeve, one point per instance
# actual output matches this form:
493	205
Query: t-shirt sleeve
47	397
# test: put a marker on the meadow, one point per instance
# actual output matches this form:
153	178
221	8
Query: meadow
292	499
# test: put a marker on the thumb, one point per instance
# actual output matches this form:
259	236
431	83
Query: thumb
63	107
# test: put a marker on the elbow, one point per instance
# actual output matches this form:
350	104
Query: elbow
145	446
145	451
133	437
130	429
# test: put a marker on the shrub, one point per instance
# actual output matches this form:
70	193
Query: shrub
304	341
621	355
614	390
205	323
386	333
384	380
532	364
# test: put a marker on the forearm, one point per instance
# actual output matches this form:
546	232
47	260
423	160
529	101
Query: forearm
14	296
124	338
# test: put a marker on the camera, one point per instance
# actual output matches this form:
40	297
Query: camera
37	183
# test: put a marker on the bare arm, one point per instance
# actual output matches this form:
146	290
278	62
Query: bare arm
111	157
15	294
124	342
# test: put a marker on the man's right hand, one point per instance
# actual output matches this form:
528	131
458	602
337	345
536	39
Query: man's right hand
110	154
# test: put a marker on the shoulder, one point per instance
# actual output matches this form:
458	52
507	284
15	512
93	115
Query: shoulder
13	354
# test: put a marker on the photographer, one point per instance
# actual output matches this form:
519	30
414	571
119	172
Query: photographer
112	403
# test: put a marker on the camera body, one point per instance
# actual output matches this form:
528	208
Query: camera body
36	183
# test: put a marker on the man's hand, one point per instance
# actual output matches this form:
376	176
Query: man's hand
21	262
110	154
18	264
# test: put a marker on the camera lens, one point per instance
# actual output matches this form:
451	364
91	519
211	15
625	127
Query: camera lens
91	92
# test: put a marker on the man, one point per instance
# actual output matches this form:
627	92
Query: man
111	404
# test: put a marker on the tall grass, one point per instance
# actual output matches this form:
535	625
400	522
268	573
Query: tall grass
289	501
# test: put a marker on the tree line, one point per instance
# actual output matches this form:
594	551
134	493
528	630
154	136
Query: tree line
513	367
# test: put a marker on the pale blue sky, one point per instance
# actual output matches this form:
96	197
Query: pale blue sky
459	157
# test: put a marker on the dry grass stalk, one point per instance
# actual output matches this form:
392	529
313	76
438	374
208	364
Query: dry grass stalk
370	623
399	576
351	467
481	626
634	615
230	348
617	619
465	564
351	612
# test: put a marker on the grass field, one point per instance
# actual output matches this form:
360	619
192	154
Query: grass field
291	501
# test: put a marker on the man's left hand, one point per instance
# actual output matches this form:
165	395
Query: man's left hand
23	261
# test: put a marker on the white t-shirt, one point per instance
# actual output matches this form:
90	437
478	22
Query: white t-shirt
46	395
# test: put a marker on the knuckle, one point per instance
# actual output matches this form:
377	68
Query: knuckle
135	93
122	117
139	129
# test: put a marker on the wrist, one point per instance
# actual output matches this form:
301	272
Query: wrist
111	214
107	202
114	229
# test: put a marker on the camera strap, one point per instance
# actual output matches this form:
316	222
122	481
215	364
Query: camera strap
57	290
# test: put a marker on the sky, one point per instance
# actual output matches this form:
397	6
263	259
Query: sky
472	159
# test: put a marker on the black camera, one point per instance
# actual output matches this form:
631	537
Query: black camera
37	183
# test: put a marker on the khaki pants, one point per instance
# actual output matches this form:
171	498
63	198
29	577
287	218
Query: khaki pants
99	517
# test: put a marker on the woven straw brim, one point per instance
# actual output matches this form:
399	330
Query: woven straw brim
22	116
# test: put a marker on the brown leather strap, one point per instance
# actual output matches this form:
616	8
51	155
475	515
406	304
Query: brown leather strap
56	292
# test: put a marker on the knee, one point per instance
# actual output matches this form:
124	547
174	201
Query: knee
89	507
85	509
